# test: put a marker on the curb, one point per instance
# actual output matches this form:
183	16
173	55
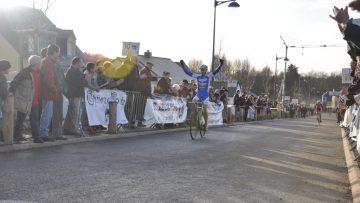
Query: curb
353	169
99	137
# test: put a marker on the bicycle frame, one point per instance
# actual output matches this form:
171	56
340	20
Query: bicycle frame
196	119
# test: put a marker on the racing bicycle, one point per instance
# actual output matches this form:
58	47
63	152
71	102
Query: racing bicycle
196	120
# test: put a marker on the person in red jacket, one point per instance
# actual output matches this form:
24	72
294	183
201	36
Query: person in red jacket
49	89
26	89
318	108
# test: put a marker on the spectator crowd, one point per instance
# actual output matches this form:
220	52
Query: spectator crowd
349	100
39	91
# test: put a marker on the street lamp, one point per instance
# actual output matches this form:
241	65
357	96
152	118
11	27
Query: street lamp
233	4
286	60
275	79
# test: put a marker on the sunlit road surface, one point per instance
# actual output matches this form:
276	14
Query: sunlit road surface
270	161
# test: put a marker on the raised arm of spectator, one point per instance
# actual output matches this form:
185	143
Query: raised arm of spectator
186	69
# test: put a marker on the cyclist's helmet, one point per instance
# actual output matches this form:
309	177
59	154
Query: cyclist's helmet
203	67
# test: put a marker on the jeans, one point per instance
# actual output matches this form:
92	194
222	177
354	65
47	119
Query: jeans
237	113
46	116
57	120
246	112
34	123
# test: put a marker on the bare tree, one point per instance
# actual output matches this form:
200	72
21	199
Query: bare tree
194	65
43	5
266	75
307	87
244	73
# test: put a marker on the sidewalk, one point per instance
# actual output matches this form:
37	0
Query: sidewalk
353	168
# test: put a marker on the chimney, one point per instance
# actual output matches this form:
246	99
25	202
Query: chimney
147	54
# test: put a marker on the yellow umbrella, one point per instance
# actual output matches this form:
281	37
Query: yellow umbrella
119	68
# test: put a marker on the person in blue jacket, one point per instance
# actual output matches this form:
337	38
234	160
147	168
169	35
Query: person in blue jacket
203	80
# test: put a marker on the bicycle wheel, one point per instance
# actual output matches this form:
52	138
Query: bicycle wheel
193	125
318	119
202	126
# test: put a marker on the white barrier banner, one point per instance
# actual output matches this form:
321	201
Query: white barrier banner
165	109
215	113
97	106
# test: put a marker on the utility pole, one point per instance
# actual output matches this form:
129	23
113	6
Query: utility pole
275	78
286	60
299	46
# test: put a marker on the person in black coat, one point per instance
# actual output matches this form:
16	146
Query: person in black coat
237	99
76	82
4	69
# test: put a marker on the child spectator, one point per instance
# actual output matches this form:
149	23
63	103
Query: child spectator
91	76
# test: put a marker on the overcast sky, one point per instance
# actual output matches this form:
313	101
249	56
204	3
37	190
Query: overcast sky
182	29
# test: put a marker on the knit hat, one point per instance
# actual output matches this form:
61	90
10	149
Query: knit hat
34	59
4	65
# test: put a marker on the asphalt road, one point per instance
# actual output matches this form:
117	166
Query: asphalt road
270	161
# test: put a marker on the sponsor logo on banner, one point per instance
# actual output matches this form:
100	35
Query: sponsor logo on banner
97	106
215	113
134	47
167	109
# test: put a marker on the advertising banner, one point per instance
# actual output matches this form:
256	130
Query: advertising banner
345	76
168	109
97	106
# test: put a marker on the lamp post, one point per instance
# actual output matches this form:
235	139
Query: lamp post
275	79
286	60
233	4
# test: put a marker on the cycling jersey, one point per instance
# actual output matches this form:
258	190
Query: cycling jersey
318	107
203	81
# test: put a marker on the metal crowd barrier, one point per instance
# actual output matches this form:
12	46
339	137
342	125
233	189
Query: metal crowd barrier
135	108
236	114
351	134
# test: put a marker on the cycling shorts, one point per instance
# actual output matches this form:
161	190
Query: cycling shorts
205	101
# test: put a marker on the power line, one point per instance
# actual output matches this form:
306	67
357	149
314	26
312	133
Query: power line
316	46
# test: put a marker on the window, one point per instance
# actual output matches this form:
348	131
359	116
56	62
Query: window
29	44
71	51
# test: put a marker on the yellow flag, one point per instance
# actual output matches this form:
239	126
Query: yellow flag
119	68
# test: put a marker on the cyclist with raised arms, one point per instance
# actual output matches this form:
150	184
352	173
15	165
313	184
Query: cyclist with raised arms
203	80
